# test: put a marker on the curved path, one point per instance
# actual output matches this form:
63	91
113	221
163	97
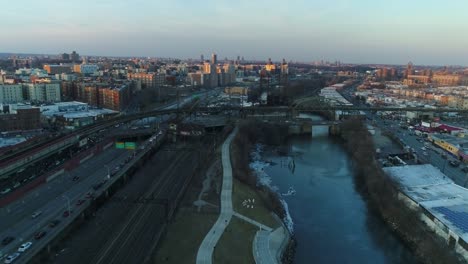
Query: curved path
205	252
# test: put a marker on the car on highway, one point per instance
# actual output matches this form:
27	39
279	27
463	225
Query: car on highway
465	169
16	185
424	148
425	153
40	234
7	240
97	186
66	213
12	257
54	223
75	178
444	156
36	214
89	195
79	202
454	163
25	246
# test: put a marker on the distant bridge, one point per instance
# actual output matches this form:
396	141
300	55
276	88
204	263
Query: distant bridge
22	157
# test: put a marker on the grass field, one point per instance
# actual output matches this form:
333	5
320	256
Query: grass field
235	245
259	212
184	237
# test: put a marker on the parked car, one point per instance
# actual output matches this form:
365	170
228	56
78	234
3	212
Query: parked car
75	178
7	240
79	202
89	195
54	223
36	214
465	169
12	257
454	163
25	246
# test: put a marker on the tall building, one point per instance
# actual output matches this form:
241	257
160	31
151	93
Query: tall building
43	92
409	69
148	80
75	57
202	58
11	93
214	58
65	56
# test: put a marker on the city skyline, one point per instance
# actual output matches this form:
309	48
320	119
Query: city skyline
351	32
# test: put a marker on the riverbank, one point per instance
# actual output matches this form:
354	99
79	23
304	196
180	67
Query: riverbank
251	133
382	196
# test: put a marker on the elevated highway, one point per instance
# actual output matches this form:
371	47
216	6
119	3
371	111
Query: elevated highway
28	157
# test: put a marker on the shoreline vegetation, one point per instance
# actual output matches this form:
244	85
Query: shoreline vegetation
378	190
249	134
381	195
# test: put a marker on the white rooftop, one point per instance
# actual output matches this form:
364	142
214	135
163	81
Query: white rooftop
438	194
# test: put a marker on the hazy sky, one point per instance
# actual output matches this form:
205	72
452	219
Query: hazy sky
359	31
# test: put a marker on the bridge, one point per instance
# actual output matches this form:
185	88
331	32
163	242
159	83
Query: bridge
13	161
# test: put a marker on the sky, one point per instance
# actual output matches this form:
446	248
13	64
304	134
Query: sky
425	32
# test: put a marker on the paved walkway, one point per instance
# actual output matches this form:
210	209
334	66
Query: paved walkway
268	246
267	243
253	222
205	252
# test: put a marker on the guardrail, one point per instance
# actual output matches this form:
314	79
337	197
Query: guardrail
52	234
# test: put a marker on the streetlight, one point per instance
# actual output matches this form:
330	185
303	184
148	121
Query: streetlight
68	202
108	171
445	163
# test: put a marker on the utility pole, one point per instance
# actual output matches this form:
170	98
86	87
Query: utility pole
68	202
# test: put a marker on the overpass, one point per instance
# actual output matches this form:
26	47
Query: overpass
25	158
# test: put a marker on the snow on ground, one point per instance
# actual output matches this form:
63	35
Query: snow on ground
5	142
258	166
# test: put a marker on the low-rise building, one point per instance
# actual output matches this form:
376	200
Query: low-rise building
57	69
442	204
74	114
20	117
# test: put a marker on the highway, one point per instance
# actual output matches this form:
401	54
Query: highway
433	154
125	231
52	200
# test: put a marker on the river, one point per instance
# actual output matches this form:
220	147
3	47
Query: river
332	223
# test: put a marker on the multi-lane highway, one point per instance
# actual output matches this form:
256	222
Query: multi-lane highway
127	228
52	200
69	192
62	199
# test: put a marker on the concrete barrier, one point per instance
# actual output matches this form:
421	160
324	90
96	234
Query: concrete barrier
55	175
83	160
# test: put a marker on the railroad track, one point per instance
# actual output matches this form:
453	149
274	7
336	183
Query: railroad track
144	222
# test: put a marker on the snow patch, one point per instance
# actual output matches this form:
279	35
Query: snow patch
258	166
